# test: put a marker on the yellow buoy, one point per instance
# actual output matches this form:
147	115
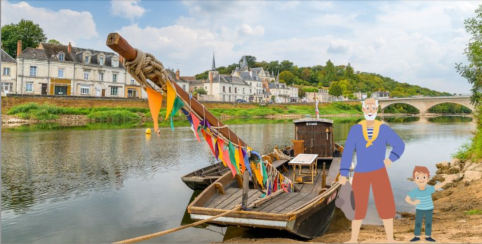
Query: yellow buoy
148	131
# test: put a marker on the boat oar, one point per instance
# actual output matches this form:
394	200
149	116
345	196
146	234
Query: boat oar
165	232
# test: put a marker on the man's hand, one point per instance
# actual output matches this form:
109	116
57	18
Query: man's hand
388	163
343	180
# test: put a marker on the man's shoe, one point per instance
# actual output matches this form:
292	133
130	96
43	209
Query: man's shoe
415	239
430	239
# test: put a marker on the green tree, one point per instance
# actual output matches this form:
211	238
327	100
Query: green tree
26	30
251	60
53	41
287	77
306	74
330	73
335	89
301	93
286	65
201	91
472	72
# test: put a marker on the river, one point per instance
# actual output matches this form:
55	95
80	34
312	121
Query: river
96	184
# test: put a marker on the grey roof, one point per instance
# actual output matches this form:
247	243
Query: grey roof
245	75
172	74
6	58
244	65
228	79
50	51
276	85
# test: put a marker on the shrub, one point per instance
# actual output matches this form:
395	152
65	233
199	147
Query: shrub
115	116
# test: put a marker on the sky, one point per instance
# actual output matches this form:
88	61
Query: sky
417	42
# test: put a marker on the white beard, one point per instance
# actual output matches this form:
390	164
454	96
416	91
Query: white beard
373	117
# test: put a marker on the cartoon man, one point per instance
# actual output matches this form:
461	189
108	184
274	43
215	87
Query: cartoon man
369	140
423	202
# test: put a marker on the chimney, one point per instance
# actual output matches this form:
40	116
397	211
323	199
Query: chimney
177	74
19	48
69	48
210	77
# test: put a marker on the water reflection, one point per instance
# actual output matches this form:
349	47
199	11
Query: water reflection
97	184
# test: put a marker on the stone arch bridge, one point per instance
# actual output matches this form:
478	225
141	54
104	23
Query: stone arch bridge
423	104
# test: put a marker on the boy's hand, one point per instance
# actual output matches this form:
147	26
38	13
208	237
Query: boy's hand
416	202
388	163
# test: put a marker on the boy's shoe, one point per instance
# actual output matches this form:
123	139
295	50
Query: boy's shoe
415	239
430	239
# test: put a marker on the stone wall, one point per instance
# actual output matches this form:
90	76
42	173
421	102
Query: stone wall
71	101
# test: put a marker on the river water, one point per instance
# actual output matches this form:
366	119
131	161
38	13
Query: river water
84	185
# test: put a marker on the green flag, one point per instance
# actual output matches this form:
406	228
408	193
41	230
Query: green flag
232	151
178	104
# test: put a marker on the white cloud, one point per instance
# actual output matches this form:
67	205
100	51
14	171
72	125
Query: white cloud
64	25
128	9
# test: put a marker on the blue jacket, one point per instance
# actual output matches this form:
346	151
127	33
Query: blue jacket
370	158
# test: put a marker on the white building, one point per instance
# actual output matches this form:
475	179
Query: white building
52	69
381	95
9	73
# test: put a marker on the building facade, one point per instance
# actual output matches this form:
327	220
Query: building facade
64	70
381	95
9	73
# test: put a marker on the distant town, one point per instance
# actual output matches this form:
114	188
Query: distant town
64	70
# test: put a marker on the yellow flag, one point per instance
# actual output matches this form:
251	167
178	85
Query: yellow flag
155	101
171	96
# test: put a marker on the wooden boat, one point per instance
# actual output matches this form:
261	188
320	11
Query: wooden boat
202	178
306	213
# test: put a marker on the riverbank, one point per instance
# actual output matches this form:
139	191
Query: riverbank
457	213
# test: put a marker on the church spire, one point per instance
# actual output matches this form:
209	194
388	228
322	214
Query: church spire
244	66
214	64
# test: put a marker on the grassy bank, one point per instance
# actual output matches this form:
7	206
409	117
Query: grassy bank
42	112
473	149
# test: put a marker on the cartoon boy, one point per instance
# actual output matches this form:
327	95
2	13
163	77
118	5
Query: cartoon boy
423	202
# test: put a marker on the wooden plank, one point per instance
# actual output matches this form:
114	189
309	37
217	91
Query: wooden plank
230	199
296	198
239	200
299	203
222	198
284	198
273	201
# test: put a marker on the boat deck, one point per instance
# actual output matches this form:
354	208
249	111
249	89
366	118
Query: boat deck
282	203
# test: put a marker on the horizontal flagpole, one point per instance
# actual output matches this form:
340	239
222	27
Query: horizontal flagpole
118	44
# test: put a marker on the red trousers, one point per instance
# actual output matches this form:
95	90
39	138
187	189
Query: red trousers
382	192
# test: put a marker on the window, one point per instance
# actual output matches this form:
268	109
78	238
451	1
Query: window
133	81
131	93
113	91
114	77
243	91
61	57
101	61
29	87
33	70
235	90
6	71
84	90
61	73
184	87
86	59
7	87
101	76
230	90
224	89
115	62
86	75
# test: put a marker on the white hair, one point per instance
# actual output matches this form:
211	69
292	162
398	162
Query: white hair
376	103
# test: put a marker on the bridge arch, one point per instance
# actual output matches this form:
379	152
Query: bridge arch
385	106
453	102
423	104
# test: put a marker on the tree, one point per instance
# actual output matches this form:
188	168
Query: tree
53	41
472	72
286	65
26	30
330	73
301	93
306	74
201	91
251	60
335	89
287	77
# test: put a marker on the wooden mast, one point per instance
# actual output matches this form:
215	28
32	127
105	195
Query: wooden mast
121	46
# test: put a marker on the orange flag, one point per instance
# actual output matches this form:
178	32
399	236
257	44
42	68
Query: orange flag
241	160
155	101
171	96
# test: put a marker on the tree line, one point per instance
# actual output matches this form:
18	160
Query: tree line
342	80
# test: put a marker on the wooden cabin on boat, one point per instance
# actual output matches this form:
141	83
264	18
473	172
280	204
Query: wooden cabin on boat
315	136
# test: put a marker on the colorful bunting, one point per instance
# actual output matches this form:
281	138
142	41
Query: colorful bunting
220	144
178	104
171	96
228	162
246	161
241	159
232	157
209	140
155	101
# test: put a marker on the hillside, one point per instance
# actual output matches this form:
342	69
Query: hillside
329	75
